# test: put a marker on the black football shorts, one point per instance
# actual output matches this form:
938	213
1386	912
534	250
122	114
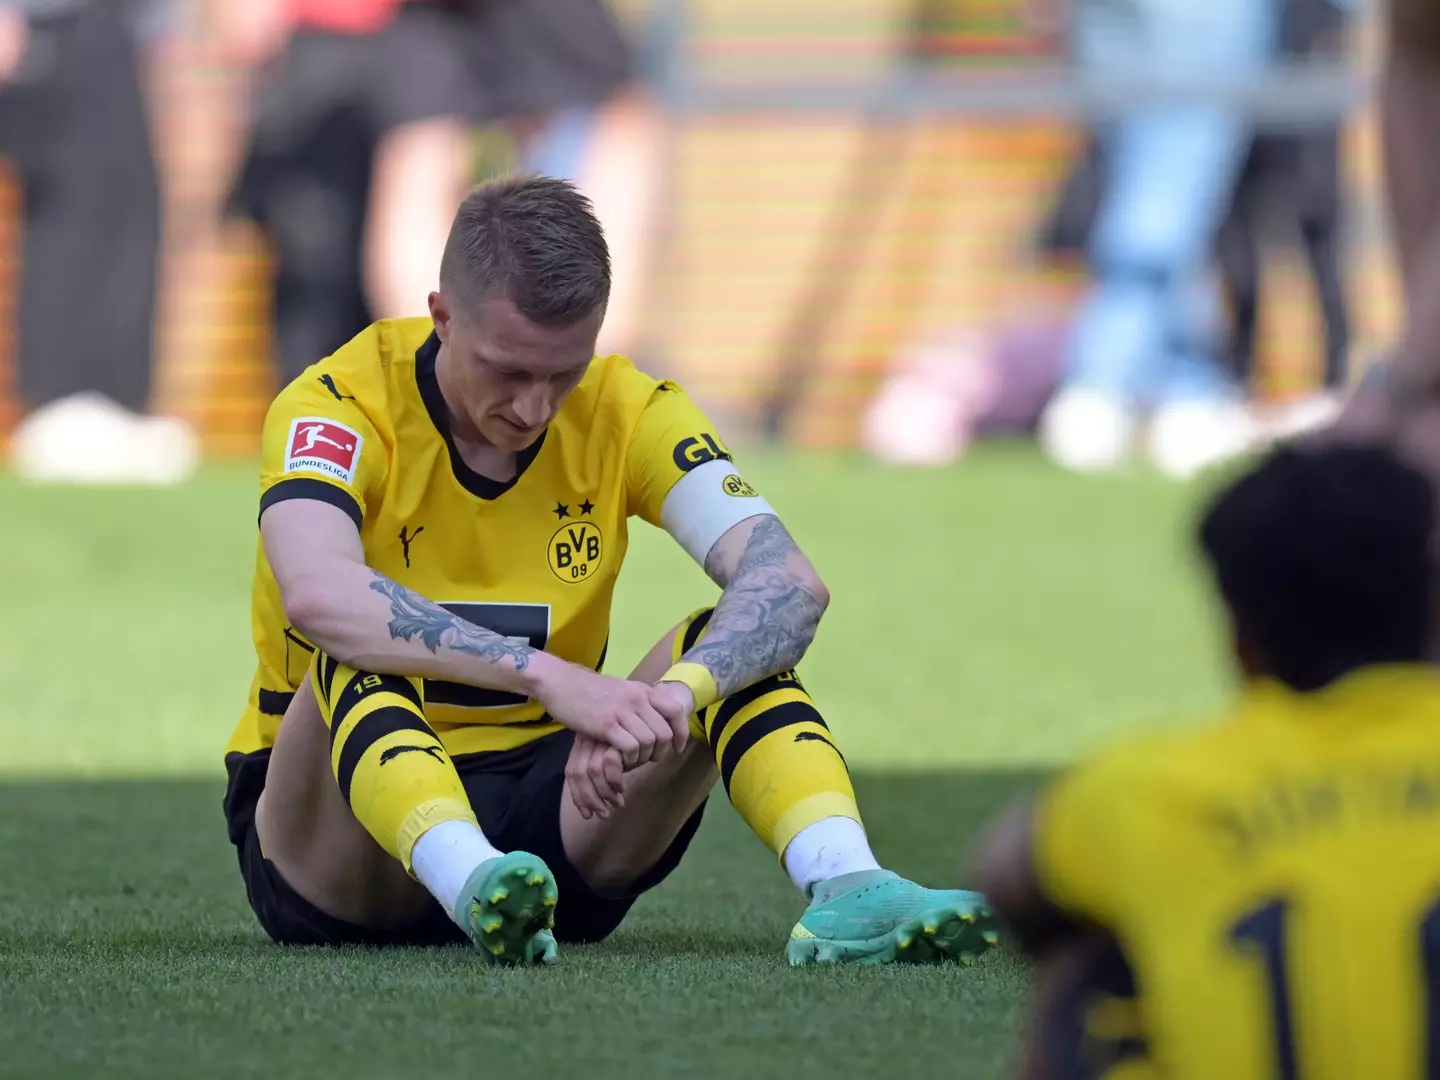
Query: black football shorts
516	796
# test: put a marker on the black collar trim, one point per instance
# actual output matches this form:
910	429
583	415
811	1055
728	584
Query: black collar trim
482	487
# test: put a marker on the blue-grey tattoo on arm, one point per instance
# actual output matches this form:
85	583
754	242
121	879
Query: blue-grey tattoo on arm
765	619
413	618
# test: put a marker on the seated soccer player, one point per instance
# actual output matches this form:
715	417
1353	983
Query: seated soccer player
1260	898
429	751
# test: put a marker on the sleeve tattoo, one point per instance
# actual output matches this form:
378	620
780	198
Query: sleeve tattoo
413	617
765	618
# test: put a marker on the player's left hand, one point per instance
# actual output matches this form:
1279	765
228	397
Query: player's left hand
676	703
595	777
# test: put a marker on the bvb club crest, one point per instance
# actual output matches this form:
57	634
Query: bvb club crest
575	551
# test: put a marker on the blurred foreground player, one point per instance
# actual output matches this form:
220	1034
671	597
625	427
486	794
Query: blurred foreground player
429	752
1270	886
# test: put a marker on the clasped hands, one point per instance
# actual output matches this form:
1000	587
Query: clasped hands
619	725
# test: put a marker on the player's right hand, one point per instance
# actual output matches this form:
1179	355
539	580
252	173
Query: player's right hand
617	712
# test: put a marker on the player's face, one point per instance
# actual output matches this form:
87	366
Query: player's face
503	377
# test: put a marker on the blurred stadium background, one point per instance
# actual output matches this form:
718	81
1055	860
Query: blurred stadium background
938	132
842	180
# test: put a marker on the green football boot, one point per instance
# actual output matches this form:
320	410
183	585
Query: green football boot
876	917
508	909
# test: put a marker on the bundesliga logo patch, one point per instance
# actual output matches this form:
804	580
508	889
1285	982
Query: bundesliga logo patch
323	446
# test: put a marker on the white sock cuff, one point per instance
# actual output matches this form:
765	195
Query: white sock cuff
830	847
446	855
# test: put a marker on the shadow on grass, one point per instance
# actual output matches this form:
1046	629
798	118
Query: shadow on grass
127	949
146	864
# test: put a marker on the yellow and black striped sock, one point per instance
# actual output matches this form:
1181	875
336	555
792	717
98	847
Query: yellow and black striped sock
778	761
389	763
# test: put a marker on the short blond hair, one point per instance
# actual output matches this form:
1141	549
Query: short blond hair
533	240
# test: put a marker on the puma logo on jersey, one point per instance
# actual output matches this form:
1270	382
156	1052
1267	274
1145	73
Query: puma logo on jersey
328	381
395	751
406	541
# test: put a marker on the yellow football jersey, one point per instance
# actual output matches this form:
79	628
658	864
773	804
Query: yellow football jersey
1274	882
537	557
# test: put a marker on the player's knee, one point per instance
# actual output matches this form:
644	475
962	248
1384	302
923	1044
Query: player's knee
687	635
611	879
680	639
775	702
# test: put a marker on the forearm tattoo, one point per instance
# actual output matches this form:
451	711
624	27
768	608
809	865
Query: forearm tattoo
765	619
413	617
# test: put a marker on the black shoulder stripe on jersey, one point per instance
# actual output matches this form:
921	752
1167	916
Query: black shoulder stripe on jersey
304	487
274	702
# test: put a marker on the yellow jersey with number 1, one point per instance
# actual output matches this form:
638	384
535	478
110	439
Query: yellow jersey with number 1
1274	882
536	558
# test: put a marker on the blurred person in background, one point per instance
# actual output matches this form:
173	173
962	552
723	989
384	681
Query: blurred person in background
363	142
561	78
1147	333
997	379
1293	178
1400	398
1289	185
564	78
359	151
74	124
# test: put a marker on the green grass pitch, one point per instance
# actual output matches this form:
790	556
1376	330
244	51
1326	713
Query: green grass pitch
989	622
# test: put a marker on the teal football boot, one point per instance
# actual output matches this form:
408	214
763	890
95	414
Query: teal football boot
508	909
876	917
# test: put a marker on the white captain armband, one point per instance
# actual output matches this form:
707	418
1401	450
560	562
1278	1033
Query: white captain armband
706	503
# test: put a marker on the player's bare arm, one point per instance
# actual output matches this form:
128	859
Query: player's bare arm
771	605
372	623
413	618
764	622
366	620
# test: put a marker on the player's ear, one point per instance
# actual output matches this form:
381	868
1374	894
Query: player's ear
441	315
